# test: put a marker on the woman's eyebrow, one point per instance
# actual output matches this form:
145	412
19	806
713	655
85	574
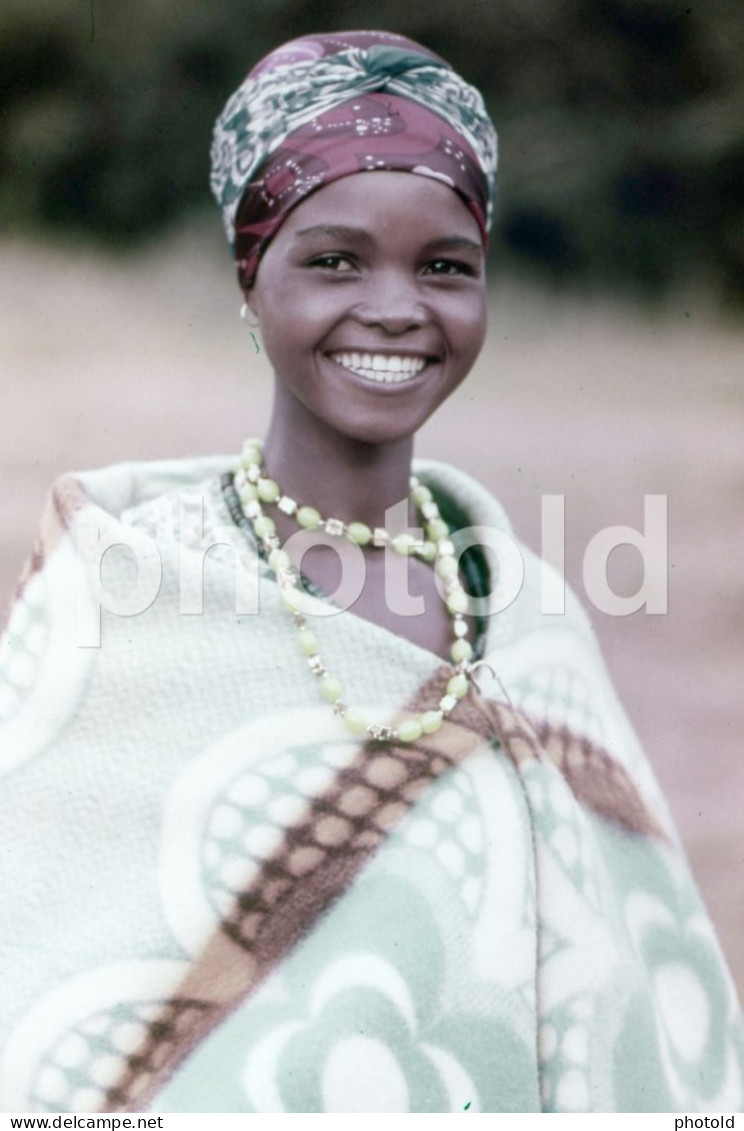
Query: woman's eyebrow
453	242
335	231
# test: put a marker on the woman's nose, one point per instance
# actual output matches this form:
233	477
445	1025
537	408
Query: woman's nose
393	304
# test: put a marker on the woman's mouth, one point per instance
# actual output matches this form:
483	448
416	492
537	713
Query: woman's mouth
381	367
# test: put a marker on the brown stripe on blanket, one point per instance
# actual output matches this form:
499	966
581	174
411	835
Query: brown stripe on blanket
328	847
598	781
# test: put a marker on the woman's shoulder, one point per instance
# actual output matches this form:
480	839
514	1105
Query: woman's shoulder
137	504
122	489
155	497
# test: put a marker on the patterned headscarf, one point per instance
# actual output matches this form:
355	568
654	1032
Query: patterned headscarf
324	107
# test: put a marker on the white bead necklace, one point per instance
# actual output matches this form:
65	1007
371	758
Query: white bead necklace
254	489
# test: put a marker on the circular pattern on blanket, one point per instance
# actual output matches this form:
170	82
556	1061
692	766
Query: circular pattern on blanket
231	846
245	824
562	697
689	1002
563	1049
683	1002
42	670
378	975
22	647
226	817
325	1064
78	1042
564	829
572	1092
82	1072
362	1025
450	826
383	1087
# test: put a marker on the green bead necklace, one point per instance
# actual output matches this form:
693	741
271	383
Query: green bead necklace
255	490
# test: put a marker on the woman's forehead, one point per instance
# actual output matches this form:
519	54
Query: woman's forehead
375	202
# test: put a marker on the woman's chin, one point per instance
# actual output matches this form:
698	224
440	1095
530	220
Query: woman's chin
378	429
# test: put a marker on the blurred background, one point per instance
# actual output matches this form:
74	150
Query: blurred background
613	367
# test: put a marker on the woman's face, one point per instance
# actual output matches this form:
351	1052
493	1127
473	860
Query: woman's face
371	300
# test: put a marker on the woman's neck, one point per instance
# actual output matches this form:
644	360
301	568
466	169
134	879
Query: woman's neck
342	477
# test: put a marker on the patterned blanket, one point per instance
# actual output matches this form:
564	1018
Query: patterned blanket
217	900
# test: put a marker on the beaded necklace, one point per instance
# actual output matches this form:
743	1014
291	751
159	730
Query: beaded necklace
255	489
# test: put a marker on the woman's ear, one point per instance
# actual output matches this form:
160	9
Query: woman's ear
248	310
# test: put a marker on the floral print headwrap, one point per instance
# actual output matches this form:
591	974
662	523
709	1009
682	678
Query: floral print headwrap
327	106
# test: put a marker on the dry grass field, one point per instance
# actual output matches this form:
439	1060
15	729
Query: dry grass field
145	357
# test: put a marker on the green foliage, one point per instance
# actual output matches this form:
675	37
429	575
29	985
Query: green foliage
620	121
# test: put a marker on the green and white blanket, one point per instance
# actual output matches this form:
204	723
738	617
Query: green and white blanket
215	899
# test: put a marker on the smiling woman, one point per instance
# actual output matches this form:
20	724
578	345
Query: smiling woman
371	832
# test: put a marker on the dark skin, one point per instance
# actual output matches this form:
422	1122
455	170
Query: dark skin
382	266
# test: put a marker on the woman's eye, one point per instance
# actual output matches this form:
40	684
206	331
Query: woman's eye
449	267
333	261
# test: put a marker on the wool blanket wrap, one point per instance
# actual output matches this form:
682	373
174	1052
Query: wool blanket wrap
216	899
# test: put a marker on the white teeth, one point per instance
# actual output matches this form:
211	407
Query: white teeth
380	367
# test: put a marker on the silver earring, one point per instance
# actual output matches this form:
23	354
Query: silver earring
245	311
